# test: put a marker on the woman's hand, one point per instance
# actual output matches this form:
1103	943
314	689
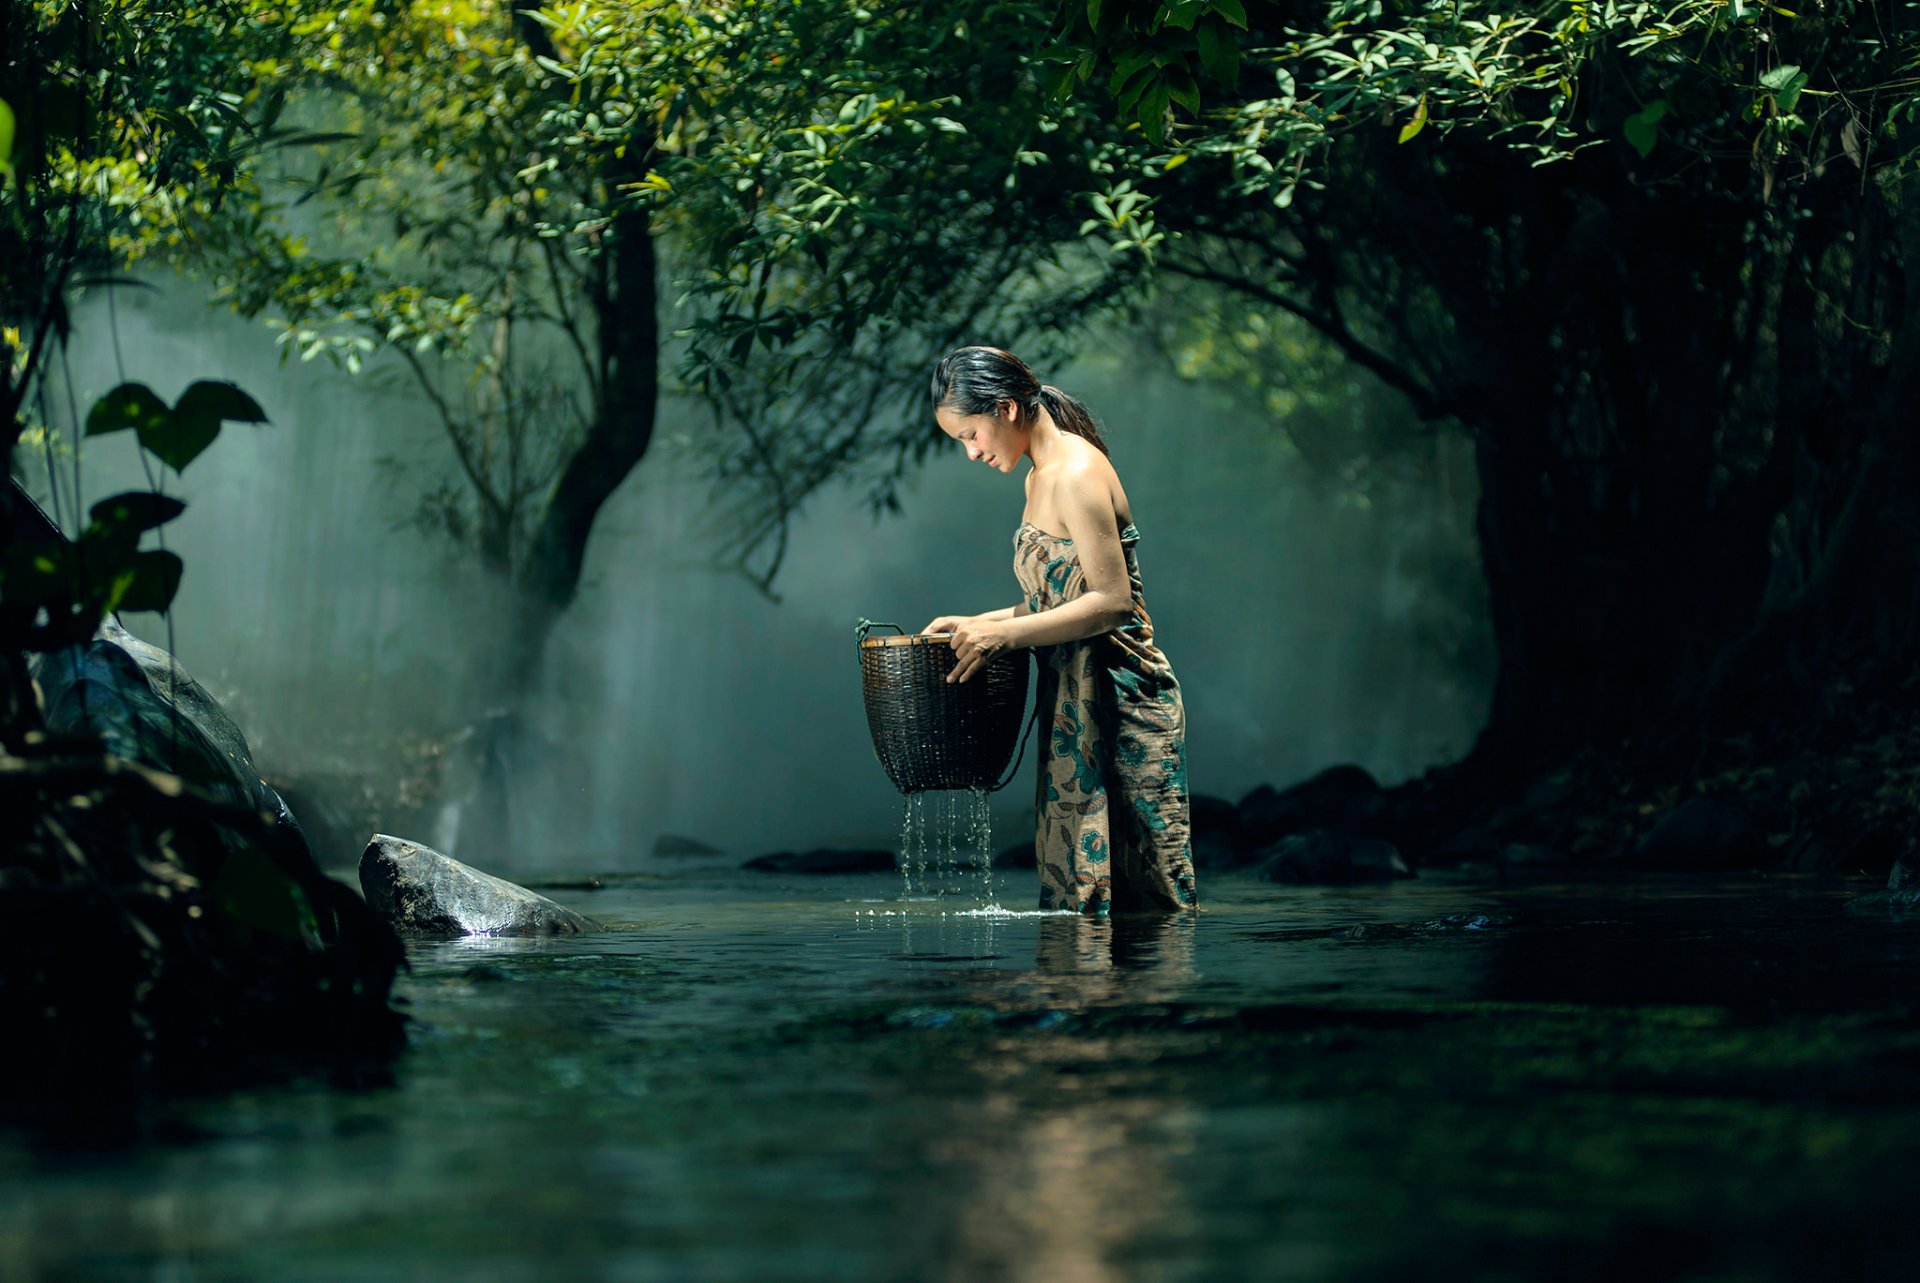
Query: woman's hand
946	624
975	641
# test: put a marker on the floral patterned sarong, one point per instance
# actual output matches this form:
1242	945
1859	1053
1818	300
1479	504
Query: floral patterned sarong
1112	827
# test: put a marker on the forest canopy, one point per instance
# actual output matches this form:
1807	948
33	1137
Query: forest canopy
1654	258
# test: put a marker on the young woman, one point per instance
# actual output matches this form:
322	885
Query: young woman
1112	828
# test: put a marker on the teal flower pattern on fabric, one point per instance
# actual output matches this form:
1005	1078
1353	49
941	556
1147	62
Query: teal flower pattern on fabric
1093	848
1118	732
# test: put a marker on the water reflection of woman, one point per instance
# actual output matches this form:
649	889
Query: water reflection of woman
1111	827
1134	958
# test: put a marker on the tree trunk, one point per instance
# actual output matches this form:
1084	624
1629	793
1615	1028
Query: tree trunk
617	439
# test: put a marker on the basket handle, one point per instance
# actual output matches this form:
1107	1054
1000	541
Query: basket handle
866	626
1025	736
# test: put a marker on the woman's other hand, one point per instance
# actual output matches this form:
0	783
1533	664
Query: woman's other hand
946	624
975	641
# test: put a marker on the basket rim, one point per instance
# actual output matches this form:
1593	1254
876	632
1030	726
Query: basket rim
908	639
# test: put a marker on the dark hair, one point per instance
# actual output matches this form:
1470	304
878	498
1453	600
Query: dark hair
975	380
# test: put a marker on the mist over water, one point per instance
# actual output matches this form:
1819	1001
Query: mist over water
1306	628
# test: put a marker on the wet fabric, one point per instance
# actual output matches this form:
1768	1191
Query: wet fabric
1112	829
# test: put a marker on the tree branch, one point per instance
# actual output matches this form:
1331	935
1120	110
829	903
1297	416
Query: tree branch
1425	401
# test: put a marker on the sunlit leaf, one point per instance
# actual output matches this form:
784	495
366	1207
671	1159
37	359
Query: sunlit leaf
1411	130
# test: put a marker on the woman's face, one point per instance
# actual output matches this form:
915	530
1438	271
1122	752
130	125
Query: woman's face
997	440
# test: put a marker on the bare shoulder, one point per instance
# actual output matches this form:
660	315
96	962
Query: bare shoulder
1083	478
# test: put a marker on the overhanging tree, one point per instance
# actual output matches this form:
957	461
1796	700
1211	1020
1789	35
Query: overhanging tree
1658	259
442	219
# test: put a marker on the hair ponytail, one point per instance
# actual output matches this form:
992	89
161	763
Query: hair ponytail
977	380
1072	415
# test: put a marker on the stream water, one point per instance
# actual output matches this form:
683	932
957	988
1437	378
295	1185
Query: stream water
757	1077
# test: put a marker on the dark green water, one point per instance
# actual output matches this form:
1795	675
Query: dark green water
758	1078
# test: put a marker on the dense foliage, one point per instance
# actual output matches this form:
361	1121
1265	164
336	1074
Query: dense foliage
156	930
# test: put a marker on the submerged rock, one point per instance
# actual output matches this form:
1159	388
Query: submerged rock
424	893
826	860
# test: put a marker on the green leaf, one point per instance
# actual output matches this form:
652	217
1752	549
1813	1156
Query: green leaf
195	421
1411	130
1126	68
131	405
1643	127
1780	77
136	511
1219	52
1182	15
1233	11
1181	89
220	399
151	582
1787	95
177	441
1153	113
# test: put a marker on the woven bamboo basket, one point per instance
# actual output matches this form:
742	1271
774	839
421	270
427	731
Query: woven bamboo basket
930	733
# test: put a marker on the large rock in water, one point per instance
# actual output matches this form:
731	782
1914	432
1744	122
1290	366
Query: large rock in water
421	892
138	701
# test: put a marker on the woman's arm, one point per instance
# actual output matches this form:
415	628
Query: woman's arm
1086	506
949	623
